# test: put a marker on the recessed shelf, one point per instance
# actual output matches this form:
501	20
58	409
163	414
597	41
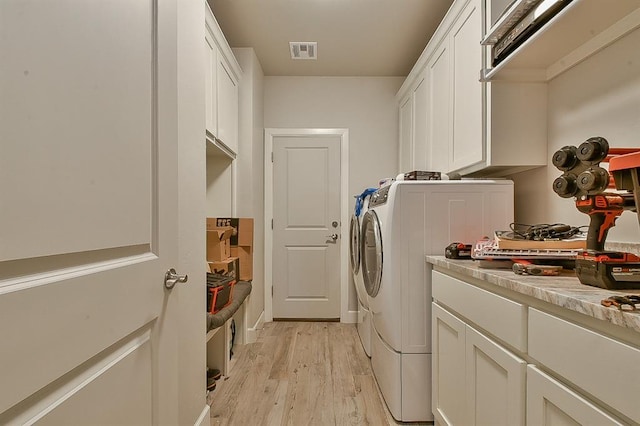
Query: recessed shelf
580	30
217	148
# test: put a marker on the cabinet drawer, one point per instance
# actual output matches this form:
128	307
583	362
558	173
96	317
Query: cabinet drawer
504	318
549	402
603	367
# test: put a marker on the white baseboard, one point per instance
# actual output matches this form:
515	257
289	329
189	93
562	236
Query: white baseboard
252	332
350	318
205	417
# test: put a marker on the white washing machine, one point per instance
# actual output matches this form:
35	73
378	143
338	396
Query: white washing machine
406	221
364	317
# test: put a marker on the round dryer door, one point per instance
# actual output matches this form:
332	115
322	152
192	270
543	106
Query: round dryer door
371	252
354	246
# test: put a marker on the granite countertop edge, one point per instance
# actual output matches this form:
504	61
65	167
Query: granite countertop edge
564	290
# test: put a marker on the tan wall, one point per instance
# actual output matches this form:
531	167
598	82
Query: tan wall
250	170
599	97
364	105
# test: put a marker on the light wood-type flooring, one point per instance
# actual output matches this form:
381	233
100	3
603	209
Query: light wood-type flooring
300	373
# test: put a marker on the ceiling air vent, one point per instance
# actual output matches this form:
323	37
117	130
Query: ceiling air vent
303	49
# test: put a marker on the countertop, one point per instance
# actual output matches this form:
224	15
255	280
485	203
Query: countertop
564	290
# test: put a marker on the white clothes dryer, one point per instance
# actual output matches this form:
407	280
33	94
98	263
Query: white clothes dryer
364	317
406	221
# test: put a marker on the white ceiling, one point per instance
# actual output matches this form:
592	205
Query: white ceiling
355	37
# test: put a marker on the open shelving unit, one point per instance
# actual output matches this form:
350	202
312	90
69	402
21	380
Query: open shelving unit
580	30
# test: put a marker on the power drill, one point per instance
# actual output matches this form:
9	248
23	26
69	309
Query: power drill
584	179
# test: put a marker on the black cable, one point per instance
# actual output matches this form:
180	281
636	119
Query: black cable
545	231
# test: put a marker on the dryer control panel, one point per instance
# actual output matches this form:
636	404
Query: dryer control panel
379	197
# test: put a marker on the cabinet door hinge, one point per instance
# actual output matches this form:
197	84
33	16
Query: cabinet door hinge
271	223
272	292
272	156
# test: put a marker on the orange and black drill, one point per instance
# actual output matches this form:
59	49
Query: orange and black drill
584	179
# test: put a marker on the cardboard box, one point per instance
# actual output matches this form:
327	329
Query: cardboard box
218	243
245	256
229	266
243	229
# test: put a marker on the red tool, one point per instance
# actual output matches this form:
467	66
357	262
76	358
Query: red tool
525	267
585	180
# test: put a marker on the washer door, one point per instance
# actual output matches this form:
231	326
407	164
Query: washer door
371	253
354	246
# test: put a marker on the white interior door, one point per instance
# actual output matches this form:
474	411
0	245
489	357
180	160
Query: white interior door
306	226
88	215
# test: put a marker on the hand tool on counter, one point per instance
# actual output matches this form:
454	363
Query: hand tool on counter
525	267
593	191
621	301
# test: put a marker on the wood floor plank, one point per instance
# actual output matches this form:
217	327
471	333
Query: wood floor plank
300	373
275	416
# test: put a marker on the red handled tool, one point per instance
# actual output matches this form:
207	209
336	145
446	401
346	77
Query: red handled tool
585	180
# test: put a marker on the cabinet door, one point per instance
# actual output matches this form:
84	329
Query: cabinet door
495	382
406	135
211	59
420	102
467	143
551	403
439	109
448	365
227	90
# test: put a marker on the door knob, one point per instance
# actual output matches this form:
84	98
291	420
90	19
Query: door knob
171	277
333	237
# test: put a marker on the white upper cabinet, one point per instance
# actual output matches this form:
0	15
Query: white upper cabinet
222	77
421	147
472	128
406	134
438	122
211	103
227	104
467	146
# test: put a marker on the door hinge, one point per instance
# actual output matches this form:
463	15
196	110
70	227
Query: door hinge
271	223
272	156
272	292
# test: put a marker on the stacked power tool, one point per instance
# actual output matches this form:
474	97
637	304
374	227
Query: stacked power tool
587	182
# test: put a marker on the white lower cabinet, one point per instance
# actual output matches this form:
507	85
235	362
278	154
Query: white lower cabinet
448	368
549	402
499	361
476	381
495	382
599	365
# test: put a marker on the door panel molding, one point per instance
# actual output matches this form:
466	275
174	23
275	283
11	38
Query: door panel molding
269	135
93	147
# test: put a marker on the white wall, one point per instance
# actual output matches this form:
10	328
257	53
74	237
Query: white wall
364	105
219	186
191	209
599	97
250	169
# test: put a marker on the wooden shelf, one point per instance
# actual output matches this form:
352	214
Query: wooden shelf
580	30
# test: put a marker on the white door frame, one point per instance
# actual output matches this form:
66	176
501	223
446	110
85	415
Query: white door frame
269	134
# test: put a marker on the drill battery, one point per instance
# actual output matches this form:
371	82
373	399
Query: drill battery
458	251
609	269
